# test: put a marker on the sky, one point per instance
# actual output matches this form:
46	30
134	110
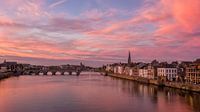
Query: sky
96	32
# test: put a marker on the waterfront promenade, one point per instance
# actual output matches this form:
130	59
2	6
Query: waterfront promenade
182	86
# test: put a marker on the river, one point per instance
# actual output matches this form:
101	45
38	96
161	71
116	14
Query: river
90	92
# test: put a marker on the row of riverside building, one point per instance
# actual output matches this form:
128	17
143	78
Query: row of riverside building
183	72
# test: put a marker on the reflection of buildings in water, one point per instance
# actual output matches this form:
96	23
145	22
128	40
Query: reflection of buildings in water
170	94
128	87
190	98
155	94
137	89
193	100
196	102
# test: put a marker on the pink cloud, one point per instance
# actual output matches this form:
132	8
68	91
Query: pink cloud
163	28
194	42
185	12
5	19
33	10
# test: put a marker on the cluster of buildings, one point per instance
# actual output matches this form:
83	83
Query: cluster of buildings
7	66
185	71
12	66
15	67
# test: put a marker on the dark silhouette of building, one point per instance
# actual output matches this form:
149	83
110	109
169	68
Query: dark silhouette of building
129	58
9	65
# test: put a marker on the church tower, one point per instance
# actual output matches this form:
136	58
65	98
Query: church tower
129	58
4	61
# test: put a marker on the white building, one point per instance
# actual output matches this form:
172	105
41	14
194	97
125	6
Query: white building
131	72
168	73
152	73
148	72
143	73
115	69
127	70
120	69
108	68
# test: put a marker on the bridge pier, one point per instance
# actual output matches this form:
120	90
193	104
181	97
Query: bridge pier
37	73
53	73
70	73
44	73
78	73
62	73
31	73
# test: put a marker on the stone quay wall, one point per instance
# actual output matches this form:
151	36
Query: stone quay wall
182	86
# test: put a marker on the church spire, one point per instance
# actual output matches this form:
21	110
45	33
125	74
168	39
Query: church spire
4	61
129	58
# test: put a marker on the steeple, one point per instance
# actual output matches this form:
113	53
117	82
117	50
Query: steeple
4	61
129	58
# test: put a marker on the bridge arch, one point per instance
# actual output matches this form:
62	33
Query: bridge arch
58	73
74	73
66	73
49	73
41	73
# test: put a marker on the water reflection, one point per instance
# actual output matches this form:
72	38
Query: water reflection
180	100
91	93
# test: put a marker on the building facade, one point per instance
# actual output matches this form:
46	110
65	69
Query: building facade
134	71
8	66
169	74
143	73
193	74
3	69
120	69
109	68
148	72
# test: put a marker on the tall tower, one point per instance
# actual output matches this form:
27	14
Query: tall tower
129	58
4	61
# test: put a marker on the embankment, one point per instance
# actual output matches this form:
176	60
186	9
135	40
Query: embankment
183	86
4	75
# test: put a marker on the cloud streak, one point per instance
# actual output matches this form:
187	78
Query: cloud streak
55	4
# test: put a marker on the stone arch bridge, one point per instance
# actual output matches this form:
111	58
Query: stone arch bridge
51	72
68	71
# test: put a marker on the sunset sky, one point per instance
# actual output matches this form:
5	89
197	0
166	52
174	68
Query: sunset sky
99	31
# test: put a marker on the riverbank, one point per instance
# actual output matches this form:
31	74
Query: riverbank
183	86
4	75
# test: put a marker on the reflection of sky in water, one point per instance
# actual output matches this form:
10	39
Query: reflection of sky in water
90	93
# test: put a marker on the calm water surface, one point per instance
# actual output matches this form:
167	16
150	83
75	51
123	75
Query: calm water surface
90	93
